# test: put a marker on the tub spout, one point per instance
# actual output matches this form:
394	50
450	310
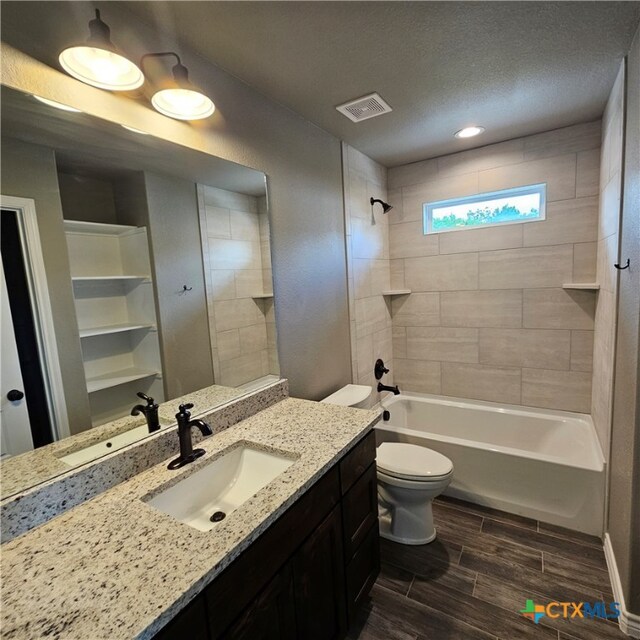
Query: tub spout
384	387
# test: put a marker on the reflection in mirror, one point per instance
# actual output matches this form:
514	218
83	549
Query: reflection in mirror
130	266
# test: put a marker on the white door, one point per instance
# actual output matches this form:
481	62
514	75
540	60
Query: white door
15	432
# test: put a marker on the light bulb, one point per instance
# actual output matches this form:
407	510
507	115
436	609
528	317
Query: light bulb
469	132
183	104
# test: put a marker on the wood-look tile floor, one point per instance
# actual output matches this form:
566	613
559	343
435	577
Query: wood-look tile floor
472	581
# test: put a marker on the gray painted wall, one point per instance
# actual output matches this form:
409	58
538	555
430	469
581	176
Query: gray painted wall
29	171
305	185
624	471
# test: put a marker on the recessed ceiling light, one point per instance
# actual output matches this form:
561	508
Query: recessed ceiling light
142	133
469	132
57	105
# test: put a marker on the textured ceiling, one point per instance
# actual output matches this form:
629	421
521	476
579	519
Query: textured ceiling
514	67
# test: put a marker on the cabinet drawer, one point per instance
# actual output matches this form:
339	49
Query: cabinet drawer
360	510
354	464
362	571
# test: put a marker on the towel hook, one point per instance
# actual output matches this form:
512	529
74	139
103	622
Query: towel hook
626	266
185	288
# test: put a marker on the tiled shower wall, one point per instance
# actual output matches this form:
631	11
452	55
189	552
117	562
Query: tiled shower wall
487	317
237	258
367	245
608	229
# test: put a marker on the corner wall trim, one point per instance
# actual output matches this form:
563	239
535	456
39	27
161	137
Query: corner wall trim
629	622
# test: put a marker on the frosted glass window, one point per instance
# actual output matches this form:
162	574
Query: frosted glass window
509	206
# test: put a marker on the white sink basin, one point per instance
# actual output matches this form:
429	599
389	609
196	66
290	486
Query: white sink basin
95	451
222	486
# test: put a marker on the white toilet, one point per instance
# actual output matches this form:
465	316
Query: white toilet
351	395
409	478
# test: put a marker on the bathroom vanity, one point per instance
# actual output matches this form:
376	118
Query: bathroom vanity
292	561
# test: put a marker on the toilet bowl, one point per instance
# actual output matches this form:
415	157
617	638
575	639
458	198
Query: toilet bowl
351	395
409	478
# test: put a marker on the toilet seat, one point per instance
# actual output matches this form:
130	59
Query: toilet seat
411	462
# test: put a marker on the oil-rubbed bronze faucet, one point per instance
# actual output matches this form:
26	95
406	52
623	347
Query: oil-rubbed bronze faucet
185	423
150	412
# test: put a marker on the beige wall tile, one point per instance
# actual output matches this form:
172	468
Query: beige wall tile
372	316
223	284
559	173
493	155
416	310
364	354
367	167
234	254
241	369
399	338
245	226
228	344
358	200
566	390
541	348
414	197
253	338
566	222
229	200
579	137
369	238
454	272
606	273
414	173
525	268
584	262
495	384
443	344
248	283
397	274
581	350
380	276
218	222
417	375
559	309
232	314
588	173
361	277
507	236
383	349
408	240
497	308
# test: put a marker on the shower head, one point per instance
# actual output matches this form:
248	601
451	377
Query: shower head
385	207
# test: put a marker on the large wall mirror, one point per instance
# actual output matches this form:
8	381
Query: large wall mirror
129	265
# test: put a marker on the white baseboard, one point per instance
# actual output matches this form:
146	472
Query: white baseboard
629	622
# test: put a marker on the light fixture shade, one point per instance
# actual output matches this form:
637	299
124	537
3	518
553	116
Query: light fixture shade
182	100
57	105
183	104
98	63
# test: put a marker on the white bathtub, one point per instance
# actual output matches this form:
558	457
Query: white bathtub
546	465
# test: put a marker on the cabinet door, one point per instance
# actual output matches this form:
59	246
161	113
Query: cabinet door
190	623
318	580
271	616
360	511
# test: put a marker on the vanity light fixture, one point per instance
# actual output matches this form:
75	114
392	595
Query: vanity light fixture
385	206
98	63
57	105
469	132
177	97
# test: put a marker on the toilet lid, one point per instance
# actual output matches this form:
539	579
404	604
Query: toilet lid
411	461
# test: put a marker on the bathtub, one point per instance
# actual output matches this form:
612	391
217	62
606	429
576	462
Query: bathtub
542	464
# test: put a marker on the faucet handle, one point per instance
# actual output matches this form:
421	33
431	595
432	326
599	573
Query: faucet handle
148	399
184	408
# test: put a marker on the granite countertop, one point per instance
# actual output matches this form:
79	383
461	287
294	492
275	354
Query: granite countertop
115	567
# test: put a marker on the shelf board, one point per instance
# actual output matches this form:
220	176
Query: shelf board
114	328
98	228
90	279
396	292
587	286
261	296
115	378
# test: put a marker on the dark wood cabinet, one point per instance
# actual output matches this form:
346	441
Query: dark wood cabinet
318	579
305	576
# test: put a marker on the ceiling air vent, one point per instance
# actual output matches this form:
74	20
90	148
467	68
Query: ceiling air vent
364	108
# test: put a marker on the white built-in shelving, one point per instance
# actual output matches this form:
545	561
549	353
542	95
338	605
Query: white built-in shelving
396	292
115	308
584	286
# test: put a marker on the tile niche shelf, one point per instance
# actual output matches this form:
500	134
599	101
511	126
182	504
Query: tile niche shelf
396	292
262	296
584	286
115	308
